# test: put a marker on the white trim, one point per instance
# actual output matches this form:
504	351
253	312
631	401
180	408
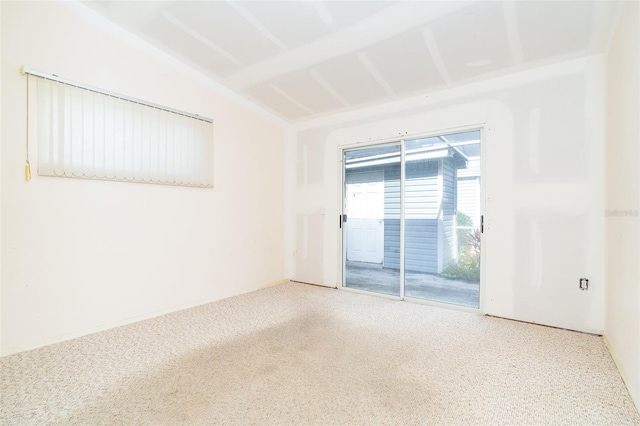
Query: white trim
483	203
440	222
389	140
403	171
342	252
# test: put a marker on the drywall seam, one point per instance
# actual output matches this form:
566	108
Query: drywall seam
140	43
451	93
383	24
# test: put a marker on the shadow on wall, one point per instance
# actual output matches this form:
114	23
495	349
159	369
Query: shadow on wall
540	260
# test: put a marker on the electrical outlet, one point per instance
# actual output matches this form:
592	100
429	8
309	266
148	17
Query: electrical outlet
584	284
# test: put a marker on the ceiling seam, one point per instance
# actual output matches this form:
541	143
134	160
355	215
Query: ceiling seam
193	33
513	34
328	87
291	98
434	51
362	57
255	22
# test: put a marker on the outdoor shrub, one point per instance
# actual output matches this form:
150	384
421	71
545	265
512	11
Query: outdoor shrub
468	266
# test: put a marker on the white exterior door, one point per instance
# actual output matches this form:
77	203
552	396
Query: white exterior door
365	218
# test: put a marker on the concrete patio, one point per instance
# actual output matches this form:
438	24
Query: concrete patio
417	285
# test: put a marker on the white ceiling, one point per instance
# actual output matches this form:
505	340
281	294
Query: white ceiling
304	59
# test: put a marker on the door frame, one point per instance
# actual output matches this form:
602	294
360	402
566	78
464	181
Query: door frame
481	127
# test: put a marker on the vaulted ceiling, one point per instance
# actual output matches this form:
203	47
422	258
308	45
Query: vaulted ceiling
304	59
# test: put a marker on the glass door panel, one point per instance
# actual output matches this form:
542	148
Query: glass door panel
371	219
442	215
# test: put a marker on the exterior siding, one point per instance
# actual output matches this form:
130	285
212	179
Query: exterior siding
421	236
392	195
392	218
421	190
469	191
448	212
421	213
422	210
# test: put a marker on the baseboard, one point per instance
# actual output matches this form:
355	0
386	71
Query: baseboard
315	284
69	336
635	396
284	281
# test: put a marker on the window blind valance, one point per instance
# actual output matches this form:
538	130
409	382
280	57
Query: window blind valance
87	133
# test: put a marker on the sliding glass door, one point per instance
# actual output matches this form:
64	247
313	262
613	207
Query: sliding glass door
411	223
371	219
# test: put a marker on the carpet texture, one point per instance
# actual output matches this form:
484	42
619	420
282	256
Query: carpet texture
298	354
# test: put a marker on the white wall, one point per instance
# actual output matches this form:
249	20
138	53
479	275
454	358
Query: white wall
79	255
622	330
0	181
544	176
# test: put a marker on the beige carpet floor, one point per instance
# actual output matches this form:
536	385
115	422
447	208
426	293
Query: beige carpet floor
298	354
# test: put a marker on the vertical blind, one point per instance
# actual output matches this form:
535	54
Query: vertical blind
87	134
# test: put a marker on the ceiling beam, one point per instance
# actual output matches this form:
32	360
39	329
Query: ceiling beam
389	22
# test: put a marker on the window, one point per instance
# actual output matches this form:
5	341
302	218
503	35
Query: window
87	133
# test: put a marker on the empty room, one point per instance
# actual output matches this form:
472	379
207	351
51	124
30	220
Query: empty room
322	212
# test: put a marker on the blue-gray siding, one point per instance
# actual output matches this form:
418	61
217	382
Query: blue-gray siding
448	211
421	244
422	210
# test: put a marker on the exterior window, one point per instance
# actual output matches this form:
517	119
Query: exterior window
86	134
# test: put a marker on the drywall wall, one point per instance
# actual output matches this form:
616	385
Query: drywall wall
544	187
622	330
81	255
0	181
